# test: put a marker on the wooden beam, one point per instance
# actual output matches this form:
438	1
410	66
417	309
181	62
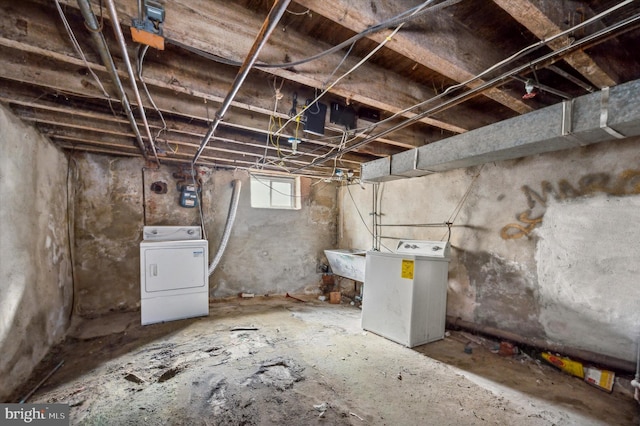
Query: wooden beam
26	96
171	95
544	20
199	22
437	51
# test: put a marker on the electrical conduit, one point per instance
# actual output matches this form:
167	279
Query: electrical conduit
231	217
270	23
115	23
107	60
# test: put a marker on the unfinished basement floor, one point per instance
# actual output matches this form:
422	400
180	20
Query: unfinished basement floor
275	360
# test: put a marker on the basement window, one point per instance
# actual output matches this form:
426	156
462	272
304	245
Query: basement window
275	192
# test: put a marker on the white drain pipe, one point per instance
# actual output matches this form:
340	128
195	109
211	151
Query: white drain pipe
231	217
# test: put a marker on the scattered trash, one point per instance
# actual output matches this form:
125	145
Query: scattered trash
241	328
474	339
355	415
468	349
602	379
334	297
565	364
508	349
133	378
400	376
294	298
447	334
321	407
246	295
322	298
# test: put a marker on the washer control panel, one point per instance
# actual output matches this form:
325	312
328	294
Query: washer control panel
437	249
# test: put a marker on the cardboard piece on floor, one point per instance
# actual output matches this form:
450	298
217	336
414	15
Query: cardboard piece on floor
602	379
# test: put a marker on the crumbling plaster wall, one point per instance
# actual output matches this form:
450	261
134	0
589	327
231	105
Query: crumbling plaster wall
269	252
35	262
544	246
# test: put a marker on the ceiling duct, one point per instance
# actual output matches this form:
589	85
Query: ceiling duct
597	117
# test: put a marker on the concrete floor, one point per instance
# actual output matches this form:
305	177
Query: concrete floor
274	360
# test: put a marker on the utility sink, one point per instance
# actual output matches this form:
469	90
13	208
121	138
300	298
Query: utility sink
348	263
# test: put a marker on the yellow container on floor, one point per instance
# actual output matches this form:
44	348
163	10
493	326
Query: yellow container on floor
574	368
334	297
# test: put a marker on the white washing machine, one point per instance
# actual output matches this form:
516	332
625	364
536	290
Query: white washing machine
174	274
405	293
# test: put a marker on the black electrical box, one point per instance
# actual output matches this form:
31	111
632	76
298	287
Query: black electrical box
369	114
343	115
314	118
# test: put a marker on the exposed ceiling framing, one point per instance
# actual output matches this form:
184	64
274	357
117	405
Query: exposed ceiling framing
431	60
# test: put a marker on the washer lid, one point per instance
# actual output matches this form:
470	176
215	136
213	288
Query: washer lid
436	249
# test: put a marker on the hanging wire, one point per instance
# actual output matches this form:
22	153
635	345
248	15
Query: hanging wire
358	211
456	211
142	51
306	12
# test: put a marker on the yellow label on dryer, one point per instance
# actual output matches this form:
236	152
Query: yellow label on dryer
407	269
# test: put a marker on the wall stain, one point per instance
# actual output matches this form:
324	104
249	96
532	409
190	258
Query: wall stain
626	183
505	297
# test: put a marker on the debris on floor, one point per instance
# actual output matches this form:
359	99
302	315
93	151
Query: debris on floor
602	379
307	363
567	365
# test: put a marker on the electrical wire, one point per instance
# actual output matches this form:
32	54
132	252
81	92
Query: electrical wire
358	211
142	51
396	20
306	12
412	12
70	220
456	211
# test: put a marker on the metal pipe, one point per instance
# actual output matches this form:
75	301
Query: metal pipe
571	78
418	225
233	208
107	60
605	360
267	28
115	23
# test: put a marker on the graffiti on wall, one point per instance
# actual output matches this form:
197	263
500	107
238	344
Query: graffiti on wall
626	183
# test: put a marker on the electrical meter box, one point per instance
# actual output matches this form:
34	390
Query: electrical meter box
189	196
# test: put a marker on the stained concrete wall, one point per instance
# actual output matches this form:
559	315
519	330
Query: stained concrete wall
269	252
544	246
35	266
